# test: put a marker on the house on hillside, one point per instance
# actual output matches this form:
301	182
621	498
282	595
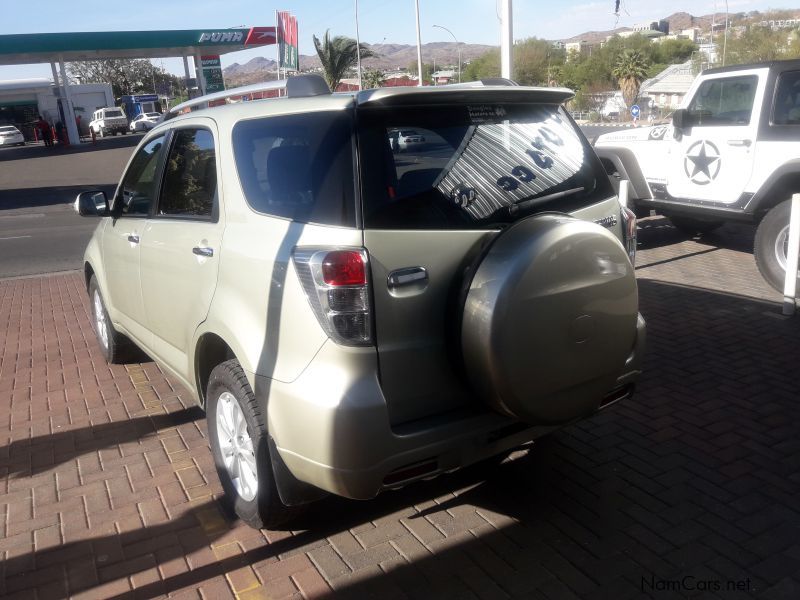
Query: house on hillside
667	90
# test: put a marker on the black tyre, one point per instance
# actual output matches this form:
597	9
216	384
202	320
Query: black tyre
102	132
116	348
771	243
694	226
239	443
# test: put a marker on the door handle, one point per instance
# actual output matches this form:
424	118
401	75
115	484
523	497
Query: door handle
133	238
745	143
407	276
203	251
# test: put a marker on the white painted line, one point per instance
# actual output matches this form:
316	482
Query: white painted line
15	237
23	216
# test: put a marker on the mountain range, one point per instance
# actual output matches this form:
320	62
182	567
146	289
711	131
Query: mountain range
399	56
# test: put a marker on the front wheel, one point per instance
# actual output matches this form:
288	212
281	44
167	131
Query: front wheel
772	244
116	348
239	443
694	226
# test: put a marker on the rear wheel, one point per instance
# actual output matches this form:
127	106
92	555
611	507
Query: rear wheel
239	443
772	244
694	226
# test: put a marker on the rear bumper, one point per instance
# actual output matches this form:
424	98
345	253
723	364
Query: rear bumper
331	426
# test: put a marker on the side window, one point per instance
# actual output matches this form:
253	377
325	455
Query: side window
298	167
138	188
190	175
787	100
727	101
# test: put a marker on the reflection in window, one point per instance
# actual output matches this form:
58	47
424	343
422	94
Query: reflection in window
787	100
138	187
190	178
727	101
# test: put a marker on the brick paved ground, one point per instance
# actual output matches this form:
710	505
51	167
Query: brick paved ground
107	484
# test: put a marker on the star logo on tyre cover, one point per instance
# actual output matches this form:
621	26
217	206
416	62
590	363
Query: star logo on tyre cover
702	162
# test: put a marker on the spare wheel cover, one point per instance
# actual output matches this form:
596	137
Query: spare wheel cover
549	319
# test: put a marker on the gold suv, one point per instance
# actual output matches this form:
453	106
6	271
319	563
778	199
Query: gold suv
354	315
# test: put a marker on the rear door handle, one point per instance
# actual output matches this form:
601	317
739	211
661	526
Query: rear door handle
203	251
407	276
745	143
133	238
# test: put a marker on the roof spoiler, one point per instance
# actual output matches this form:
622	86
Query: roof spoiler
301	86
484	82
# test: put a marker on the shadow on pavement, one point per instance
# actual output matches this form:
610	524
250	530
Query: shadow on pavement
47	196
29	457
695	479
658	231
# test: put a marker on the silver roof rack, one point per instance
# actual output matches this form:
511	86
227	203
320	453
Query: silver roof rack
296	87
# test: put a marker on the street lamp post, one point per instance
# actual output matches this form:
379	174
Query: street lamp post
358	49
458	44
725	39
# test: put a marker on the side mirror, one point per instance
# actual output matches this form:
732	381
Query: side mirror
680	119
92	204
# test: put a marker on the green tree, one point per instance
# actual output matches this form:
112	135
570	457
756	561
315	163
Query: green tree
371	78
757	44
427	70
533	59
338	56
126	76
630	71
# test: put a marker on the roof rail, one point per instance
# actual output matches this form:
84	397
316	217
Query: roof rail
484	82
296	87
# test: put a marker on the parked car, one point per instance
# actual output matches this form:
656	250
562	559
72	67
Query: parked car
11	136
352	324
409	139
145	121
108	120
730	153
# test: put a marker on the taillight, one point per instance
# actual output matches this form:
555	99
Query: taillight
629	232
336	283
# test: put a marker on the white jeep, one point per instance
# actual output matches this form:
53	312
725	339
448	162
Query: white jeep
108	120
732	153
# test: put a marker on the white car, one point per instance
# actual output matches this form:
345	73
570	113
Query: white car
409	138
145	121
11	136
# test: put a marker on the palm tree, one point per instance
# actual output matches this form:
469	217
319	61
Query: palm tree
630	71
373	78
338	55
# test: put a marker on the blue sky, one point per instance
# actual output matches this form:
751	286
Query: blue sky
472	21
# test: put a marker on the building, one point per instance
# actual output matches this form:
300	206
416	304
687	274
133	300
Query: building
23	100
667	90
576	48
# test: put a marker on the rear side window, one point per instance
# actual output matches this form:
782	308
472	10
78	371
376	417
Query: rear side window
473	166
723	102
298	167
787	99
190	175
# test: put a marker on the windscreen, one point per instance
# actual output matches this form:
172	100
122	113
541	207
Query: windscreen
473	166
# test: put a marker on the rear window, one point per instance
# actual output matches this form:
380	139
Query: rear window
298	167
113	113
473	166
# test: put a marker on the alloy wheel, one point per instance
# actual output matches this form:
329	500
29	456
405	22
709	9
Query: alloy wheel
236	446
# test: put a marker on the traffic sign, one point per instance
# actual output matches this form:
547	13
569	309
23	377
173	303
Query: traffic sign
635	110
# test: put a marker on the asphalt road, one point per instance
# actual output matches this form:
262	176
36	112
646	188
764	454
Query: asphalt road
39	231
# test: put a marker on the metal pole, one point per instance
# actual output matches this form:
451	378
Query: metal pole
358	49
198	65
459	49
792	252
278	47
188	76
725	39
506	40
419	46
66	103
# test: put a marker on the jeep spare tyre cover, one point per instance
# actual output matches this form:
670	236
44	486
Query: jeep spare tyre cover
549	318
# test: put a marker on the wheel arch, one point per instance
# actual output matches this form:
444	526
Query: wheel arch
623	162
210	350
779	186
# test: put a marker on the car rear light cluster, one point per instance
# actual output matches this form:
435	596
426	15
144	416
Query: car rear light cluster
336	283
629	232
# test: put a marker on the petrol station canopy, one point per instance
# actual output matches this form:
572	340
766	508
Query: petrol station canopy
30	48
